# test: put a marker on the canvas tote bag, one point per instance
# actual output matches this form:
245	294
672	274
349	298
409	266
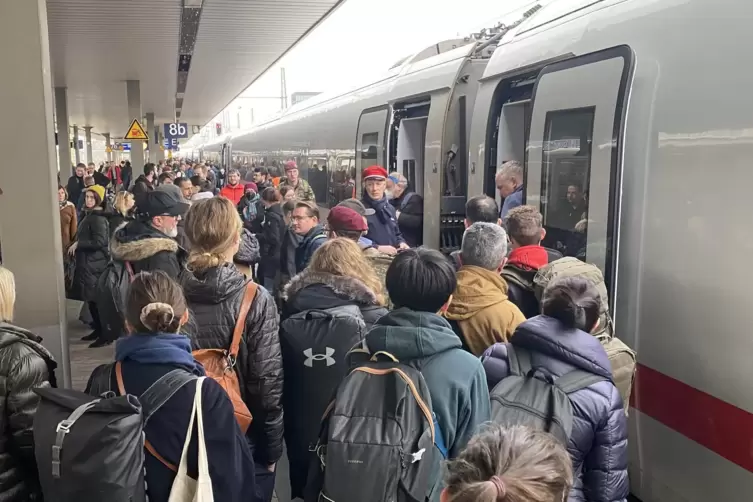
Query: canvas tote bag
186	489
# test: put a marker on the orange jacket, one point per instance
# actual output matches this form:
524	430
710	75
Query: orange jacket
234	193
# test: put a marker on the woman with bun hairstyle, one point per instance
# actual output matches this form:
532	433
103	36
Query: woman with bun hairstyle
515	464
560	341
215	289
156	312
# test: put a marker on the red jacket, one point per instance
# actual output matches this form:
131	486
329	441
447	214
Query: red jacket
234	193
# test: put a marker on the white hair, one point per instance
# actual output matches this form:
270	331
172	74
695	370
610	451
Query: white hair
484	245
511	169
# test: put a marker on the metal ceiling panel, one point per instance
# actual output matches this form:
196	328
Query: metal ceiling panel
96	45
237	41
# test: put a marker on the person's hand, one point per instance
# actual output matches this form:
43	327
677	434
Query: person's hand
72	249
387	250
272	467
403	246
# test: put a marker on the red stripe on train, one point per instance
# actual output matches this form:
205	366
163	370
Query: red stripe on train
719	426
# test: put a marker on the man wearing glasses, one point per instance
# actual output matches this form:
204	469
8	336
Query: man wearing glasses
305	223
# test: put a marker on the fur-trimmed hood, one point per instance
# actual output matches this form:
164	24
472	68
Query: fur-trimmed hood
135	241
347	288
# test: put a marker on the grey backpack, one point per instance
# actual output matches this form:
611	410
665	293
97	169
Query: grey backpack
535	398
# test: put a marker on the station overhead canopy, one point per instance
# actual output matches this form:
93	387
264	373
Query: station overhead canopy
191	57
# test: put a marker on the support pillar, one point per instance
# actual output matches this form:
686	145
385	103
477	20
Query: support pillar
76	152
88	135
154	147
35	257
64	134
108	156
133	93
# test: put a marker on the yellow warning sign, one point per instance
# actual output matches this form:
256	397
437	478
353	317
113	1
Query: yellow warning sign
136	131
108	149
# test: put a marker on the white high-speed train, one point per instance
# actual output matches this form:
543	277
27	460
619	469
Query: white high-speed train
646	107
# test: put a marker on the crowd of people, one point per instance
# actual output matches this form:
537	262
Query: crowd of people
305	308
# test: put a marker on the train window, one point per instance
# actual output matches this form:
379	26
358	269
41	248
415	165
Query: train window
565	174
573	154
369	145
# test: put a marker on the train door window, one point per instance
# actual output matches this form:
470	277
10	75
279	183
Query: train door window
573	163
411	140
370	141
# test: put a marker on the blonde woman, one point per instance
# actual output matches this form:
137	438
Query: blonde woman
327	309
214	290
122	210
25	365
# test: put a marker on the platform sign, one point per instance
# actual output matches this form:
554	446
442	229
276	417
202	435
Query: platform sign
171	144
179	130
136	131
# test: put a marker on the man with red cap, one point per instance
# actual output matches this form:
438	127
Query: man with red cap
383	228
303	190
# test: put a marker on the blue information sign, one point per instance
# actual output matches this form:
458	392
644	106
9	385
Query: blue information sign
179	130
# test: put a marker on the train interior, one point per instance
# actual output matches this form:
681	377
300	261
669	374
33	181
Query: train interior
407	142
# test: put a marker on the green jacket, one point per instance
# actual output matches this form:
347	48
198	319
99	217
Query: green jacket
303	191
456	379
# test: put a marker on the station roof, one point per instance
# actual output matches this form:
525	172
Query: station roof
97	45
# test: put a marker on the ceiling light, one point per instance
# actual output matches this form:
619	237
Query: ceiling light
192	4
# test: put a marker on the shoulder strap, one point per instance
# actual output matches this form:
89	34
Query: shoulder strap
577	380
162	390
129	269
519	360
240	324
512	274
405	200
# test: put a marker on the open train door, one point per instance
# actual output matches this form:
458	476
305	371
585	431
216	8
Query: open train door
370	142
574	154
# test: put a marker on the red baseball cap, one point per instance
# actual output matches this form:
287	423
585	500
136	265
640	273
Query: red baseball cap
290	165
375	172
344	218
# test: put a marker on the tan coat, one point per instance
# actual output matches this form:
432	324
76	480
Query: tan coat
480	307
68	224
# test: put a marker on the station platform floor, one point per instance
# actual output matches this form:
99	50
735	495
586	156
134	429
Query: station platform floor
84	360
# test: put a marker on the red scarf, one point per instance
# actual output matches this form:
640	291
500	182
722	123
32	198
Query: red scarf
529	257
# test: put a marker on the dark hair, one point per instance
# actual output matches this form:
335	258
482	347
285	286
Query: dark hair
420	279
149	168
261	170
81	165
61	187
288	207
574	301
311	209
515	464
196	180
481	208
353	235
162	177
182	180
284	189
524	224
155	303
270	194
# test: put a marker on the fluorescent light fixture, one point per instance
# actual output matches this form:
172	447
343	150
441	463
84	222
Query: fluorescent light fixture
192	4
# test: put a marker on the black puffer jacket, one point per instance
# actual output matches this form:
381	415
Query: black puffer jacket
91	253
24	365
214	297
147	249
248	251
272	230
598	442
411	219
315	290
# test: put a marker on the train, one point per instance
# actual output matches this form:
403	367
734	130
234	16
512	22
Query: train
644	106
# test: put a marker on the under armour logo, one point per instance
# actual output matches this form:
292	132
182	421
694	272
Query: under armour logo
311	357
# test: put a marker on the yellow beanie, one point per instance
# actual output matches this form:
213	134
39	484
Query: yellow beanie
99	190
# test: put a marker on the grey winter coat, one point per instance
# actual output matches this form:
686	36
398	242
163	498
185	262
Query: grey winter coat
598	442
24	365
214	297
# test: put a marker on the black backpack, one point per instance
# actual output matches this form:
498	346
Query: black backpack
314	346
112	287
380	440
93	448
534	398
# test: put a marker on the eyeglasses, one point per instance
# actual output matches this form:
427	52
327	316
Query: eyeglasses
300	218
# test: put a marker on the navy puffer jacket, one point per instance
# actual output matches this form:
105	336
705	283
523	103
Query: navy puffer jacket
598	442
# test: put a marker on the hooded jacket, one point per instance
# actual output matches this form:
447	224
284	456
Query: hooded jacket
523	264
92	254
248	251
598	442
308	245
24	365
481	309
459	398
147	249
214	297
234	193
318	290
